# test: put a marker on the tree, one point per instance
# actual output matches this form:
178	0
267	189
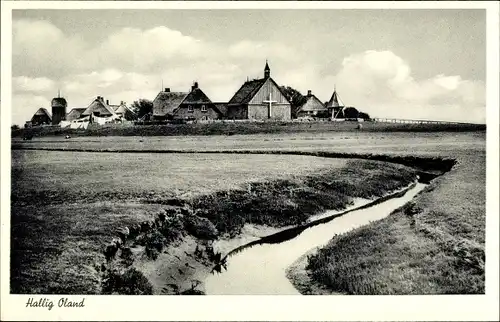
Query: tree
14	127
351	113
364	115
295	97
142	107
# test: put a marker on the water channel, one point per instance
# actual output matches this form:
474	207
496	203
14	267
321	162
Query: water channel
260	267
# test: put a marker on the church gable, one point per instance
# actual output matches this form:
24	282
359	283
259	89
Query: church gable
269	91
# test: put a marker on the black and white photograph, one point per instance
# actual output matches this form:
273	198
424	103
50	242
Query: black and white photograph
247	150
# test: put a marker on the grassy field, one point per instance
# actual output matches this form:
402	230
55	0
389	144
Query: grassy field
230	128
401	143
435	246
52	240
67	205
60	177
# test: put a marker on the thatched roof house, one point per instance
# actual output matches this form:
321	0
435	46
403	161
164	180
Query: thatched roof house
312	107
193	105
99	107
259	99
75	113
42	116
124	111
166	102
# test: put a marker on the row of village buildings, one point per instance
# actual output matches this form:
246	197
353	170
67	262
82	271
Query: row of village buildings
258	99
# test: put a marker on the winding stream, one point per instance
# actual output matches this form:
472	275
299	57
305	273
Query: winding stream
259	267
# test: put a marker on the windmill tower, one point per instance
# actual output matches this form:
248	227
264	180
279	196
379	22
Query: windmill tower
59	105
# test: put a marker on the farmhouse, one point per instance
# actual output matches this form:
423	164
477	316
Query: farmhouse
99	108
312	107
42	116
193	105
259	99
59	105
124	112
74	114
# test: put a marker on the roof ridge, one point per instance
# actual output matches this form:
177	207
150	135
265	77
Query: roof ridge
262	80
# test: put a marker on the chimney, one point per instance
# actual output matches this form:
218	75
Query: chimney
309	93
195	86
167	89
107	102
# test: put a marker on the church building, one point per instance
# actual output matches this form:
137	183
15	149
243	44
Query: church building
259	99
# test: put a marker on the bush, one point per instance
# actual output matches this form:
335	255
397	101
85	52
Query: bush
127	256
172	228
132	282
200	227
154	243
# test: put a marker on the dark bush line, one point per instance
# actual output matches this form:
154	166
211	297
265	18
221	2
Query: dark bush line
230	128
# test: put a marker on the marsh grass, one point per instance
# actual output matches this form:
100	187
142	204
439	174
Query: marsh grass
285	202
128	282
434	245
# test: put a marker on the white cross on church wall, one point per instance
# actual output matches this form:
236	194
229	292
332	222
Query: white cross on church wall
270	102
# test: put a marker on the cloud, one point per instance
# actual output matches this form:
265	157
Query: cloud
149	50
28	84
132	63
380	83
39	49
258	51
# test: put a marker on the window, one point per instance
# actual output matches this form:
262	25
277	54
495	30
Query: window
190	109
203	108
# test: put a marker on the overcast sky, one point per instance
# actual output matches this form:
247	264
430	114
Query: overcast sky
427	64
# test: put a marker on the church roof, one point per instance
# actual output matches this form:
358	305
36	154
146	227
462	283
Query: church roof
247	91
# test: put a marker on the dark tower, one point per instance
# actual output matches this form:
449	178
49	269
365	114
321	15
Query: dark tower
267	71
59	105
